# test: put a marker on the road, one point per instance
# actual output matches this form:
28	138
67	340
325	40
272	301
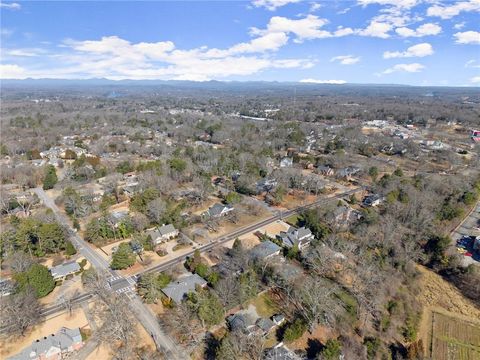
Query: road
246	229
143	314
467	227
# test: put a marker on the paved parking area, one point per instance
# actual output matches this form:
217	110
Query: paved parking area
469	228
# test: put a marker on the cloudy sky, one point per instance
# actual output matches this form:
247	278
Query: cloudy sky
416	42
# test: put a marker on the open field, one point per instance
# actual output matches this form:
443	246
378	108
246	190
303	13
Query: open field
454	339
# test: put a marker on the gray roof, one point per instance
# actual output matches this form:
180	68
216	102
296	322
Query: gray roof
265	249
6	287
178	289
64	269
240	321
166	229
295	236
265	324
217	209
63	339
281	353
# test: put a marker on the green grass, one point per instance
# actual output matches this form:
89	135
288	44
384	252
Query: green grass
264	305
349	302
293	219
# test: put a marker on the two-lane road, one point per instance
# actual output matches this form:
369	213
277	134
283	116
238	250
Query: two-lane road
143	314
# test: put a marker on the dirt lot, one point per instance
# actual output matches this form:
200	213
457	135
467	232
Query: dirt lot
143	340
250	240
10	347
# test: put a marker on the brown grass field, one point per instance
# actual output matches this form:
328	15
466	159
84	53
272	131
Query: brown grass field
454	339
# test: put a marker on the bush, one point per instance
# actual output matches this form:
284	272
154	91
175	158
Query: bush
70	249
50	178
82	263
469	198
372	344
332	350
295	330
37	277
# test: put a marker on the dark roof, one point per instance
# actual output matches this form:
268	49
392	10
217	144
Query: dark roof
217	209
178	289
265	249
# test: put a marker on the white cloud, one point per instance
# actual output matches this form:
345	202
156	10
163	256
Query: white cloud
377	29
315	6
459	26
411	68
472	64
27	52
6	32
272	5
346	59
407	4
419	50
303	29
115	58
475	80
316	81
12	71
449	11
10	6
467	37
422	30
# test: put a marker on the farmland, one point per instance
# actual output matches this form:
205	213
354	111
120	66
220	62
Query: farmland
454	339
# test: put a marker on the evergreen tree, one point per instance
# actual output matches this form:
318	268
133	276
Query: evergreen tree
38	277
123	257
50	178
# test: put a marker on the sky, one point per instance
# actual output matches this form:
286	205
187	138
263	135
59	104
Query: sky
412	42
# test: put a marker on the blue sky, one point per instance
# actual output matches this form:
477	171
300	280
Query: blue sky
416	42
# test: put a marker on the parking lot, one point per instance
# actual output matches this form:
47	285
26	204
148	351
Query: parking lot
469	227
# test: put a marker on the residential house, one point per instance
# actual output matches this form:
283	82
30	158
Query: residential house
219	210
278	319
178	289
6	287
286	162
325	170
266	185
118	216
265	250
281	352
343	215
265	325
348	172
372	200
61	271
163	233
52	347
293	236
241	321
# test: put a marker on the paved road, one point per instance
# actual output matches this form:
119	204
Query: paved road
468	227
246	229
142	312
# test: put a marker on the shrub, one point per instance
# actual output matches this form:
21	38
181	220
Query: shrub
70	249
295	330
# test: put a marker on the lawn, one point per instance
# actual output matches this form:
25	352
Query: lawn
265	306
293	219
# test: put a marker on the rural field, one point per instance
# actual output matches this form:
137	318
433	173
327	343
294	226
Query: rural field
454	339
